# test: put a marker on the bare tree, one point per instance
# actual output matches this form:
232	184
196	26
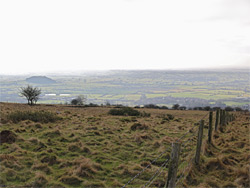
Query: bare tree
30	93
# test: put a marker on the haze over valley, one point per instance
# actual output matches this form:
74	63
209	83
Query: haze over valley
137	87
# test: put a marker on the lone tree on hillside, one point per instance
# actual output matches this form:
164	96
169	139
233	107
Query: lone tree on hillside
80	100
31	94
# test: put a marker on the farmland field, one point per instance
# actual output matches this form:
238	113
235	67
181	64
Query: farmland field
87	147
188	88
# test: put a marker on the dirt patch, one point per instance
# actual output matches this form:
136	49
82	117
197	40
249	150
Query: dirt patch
7	136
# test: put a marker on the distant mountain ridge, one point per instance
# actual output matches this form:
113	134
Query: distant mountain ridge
40	80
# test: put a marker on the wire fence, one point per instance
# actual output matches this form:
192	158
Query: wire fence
183	145
150	181
159	171
152	162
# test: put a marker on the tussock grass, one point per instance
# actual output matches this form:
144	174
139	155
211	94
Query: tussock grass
90	148
40	180
42	167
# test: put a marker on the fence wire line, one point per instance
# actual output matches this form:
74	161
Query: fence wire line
137	175
190	138
158	175
191	129
155	174
190	162
182	174
183	145
132	179
204	116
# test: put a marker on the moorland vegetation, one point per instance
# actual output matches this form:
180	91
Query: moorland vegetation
65	146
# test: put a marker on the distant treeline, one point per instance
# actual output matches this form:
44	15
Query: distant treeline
178	107
174	107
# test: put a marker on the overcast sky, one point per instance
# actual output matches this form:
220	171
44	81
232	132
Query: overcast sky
59	35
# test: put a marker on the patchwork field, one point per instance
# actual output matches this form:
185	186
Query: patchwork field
88	147
187	88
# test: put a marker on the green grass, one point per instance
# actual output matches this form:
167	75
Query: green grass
127	87
50	154
89	147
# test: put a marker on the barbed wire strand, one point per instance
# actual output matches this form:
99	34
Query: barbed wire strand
152	177
158	175
191	129
204	116
137	175
189	163
132	179
183	145
190	138
183	172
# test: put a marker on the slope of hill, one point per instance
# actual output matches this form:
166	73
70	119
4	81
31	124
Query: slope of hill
88	147
40	80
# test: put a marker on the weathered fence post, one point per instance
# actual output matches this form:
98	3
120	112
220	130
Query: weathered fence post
221	117
227	118
217	119
199	143
173	165
210	128
224	118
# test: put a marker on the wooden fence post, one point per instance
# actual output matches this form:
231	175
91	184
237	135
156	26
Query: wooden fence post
217	119
173	165
199	143
210	128
221	117
224	118
227	118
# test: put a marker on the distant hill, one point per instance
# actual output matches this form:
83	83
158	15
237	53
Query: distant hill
40	80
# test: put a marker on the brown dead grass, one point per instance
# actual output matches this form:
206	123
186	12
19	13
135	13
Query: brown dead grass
107	144
226	162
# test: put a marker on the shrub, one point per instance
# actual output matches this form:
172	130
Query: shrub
92	105
80	100
151	106
163	107
207	108
144	114
125	111
39	116
229	108
170	116
238	109
198	108
175	106
183	108
155	106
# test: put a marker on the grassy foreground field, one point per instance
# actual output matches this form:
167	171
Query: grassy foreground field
87	147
